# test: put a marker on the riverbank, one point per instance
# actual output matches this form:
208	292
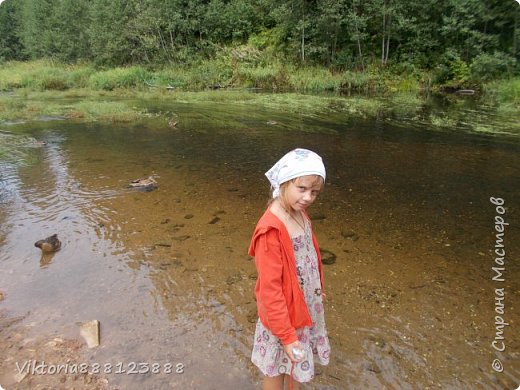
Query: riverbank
219	73
41	90
224	73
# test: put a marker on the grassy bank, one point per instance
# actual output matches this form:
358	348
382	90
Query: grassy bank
39	90
223	72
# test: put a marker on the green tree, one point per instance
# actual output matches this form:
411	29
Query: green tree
11	47
108	32
36	32
69	26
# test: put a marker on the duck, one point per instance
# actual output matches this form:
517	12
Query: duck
144	184
49	244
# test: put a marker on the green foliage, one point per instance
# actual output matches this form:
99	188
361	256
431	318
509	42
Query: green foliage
274	76
506	91
453	72
314	79
79	75
479	36
486	67
130	77
47	78
11	48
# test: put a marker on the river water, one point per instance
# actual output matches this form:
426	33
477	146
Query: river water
406	210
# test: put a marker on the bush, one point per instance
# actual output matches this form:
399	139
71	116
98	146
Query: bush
487	67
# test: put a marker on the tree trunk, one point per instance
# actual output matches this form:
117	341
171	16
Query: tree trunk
514	35
163	44
303	36
360	53
387	49
303	44
387	40
384	35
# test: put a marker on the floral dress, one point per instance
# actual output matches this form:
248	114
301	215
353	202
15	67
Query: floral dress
268	354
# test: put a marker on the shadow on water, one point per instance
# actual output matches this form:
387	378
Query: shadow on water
407	212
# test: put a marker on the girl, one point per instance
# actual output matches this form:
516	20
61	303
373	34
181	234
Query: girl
290	332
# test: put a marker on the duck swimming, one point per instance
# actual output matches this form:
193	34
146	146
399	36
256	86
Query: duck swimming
50	244
144	184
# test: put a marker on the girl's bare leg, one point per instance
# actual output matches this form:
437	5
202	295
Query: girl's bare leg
278	382
295	384
273	382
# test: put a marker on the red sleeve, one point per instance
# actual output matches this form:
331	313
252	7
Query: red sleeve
269	293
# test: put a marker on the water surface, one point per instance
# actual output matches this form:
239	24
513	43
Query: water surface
410	299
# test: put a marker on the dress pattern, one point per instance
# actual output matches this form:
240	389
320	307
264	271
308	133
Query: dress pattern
268	354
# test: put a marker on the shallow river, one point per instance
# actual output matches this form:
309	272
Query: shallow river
406	210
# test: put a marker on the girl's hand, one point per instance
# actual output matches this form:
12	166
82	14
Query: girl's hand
288	349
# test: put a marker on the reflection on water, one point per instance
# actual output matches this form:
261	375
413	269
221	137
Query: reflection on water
409	299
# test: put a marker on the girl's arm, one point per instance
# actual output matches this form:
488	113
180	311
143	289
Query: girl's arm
271	302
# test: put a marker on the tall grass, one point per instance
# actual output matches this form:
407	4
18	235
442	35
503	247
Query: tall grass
219	72
111	79
505	90
43	75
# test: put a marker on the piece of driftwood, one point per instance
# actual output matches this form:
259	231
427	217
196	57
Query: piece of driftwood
168	87
466	91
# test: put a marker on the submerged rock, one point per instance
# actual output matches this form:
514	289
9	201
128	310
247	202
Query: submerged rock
327	257
181	238
350	235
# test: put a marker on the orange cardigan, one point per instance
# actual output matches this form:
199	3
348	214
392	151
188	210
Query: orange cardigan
280	301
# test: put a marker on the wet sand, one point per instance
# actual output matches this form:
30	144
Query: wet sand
410	298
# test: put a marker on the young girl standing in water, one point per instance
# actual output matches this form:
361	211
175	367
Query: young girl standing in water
290	332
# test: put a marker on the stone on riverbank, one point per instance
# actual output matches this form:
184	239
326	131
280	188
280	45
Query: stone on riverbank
90	332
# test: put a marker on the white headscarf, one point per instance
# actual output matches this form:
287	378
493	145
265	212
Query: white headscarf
296	163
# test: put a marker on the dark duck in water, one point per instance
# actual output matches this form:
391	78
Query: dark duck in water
50	244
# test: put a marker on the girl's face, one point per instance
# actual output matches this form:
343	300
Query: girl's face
301	192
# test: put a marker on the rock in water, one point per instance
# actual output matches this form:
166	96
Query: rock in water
90	332
327	257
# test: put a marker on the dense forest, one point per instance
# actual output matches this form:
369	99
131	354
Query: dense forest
456	38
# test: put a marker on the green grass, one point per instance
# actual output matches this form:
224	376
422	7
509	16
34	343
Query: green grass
44	75
505	90
33	105
131	77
